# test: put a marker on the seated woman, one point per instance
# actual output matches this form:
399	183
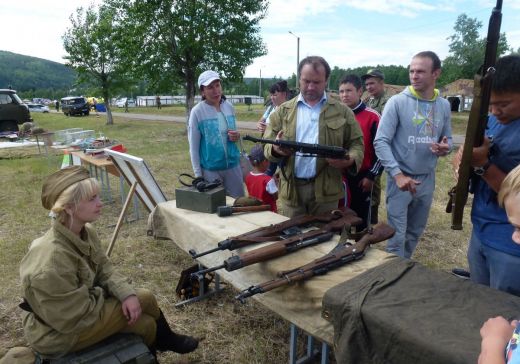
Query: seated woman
73	296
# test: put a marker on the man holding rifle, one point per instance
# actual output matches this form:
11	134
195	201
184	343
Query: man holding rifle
493	257
310	185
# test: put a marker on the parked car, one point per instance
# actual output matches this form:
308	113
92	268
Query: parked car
12	111
121	102
38	108
75	105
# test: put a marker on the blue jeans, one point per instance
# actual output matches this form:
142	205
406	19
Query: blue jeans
492	267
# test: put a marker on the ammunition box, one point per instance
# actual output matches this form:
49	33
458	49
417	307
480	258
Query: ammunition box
116	349
190	198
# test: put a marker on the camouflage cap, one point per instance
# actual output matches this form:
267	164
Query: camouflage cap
373	73
57	182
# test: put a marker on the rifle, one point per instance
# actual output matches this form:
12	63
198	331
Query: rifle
223	211
283	247
342	253
307	149
477	119
274	232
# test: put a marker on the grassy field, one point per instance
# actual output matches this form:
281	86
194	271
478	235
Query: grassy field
243	112
233	333
253	114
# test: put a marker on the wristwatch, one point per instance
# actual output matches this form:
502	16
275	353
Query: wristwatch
479	171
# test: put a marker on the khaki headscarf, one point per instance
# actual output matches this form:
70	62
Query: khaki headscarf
57	182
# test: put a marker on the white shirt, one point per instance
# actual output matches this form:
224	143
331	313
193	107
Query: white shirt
307	131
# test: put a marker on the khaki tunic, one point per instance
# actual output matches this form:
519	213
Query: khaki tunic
337	127
377	103
65	280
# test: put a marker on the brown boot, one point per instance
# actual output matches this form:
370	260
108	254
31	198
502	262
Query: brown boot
167	340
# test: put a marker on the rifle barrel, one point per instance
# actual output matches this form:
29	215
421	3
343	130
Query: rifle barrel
196	255
207	270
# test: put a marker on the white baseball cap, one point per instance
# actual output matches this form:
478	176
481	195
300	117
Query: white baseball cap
208	77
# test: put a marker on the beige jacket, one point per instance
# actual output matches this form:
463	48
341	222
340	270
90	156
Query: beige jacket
65	280
337	127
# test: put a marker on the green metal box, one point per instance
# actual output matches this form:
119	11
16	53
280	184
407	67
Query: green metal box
190	198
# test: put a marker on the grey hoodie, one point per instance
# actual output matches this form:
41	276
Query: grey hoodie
407	129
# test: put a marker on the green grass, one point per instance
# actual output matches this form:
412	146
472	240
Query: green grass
243	112
459	122
233	333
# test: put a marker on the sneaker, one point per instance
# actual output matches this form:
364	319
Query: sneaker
461	273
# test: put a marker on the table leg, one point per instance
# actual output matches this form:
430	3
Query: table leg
312	353
108	186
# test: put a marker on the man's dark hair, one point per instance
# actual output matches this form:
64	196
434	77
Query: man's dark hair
280	86
507	75
315	62
353	79
436	62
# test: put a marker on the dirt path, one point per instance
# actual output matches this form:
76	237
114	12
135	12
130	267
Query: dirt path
248	125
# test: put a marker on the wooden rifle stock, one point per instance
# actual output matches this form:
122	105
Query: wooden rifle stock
223	211
340	255
286	246
477	119
274	232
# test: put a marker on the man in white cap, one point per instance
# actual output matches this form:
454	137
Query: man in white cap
212	136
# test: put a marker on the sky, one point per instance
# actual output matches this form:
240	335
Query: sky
347	33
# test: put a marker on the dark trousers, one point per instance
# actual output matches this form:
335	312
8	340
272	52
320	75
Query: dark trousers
359	201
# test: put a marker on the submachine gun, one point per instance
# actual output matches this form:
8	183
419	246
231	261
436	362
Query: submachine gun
275	232
307	149
342	254
477	119
285	246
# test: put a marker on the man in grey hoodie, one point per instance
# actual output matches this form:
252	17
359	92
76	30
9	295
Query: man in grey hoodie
414	131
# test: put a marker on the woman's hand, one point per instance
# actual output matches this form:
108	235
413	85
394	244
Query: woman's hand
131	309
233	135
261	125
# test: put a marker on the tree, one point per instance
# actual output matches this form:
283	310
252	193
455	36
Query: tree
467	50
174	40
93	47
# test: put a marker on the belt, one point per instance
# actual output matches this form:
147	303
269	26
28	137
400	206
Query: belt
304	180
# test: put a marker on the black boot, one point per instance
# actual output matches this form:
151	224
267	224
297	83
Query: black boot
167	340
153	350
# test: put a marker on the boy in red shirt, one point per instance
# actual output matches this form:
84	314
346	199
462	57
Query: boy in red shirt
259	184
361	185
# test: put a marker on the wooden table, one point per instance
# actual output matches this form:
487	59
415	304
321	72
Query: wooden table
100	168
300	303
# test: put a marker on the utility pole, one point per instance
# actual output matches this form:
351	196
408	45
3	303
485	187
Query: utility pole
260	84
297	57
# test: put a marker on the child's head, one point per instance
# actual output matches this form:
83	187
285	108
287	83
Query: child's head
257	158
509	198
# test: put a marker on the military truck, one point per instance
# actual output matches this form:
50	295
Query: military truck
13	111
75	105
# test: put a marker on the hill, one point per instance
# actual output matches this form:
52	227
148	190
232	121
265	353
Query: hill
32	76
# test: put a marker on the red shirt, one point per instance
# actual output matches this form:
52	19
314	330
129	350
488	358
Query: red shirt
368	120
257	187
